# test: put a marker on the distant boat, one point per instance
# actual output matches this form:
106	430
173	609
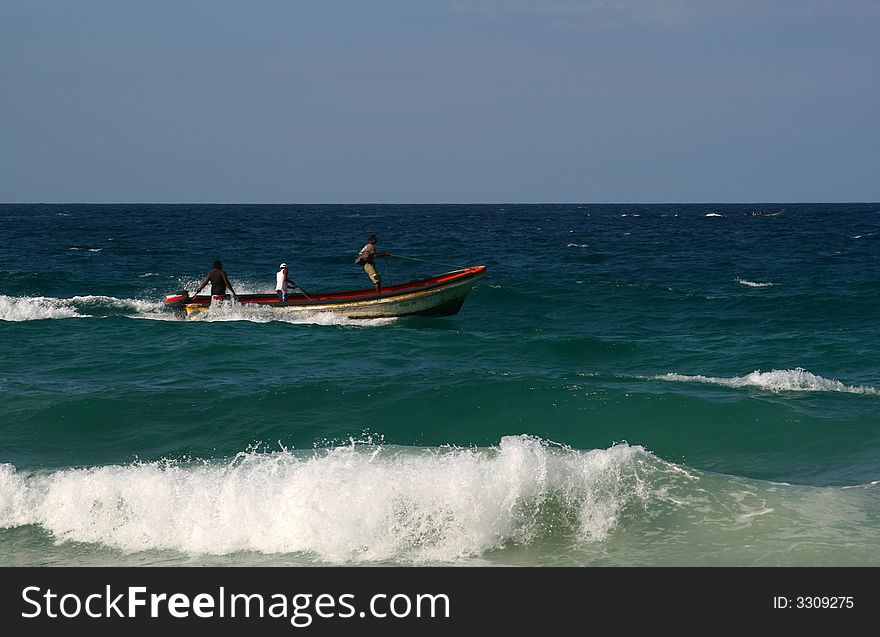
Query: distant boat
439	295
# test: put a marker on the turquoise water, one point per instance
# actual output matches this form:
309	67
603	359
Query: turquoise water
627	385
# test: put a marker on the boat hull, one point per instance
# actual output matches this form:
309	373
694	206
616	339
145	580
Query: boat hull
442	295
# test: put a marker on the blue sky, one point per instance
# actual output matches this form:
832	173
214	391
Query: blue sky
305	101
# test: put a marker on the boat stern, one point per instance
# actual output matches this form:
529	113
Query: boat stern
177	301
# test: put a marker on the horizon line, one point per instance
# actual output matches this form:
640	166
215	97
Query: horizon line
423	203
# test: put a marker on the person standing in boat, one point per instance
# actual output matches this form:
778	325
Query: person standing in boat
219	283
282	282
367	257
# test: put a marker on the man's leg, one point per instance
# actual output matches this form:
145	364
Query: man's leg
370	269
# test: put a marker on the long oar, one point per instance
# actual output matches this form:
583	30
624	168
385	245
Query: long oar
446	265
305	294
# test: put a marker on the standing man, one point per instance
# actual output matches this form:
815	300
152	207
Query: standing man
219	282
282	283
366	258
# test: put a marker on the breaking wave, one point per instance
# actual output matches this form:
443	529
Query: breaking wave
753	284
351	504
797	379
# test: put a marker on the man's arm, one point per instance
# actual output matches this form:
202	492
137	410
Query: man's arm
204	283
229	285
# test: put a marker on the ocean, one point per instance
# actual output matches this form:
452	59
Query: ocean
628	385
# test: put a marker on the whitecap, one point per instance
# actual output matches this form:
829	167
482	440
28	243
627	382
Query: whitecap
753	284
797	379
356	503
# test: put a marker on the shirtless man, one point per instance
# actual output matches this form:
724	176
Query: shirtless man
219	283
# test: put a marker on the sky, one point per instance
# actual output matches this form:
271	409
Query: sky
433	101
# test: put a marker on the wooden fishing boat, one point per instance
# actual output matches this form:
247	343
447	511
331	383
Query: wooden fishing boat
440	295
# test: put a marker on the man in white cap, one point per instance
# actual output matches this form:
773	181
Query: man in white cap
282	283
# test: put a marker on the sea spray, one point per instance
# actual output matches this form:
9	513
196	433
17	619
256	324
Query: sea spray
797	379
344	505
35	308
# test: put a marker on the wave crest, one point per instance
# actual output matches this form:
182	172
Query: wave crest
753	284
358	503
797	379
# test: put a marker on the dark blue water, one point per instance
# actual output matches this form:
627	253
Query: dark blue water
628	384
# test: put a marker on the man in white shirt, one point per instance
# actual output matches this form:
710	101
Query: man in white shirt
281	283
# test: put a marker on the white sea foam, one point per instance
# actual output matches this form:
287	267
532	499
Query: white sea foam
32	308
231	311
747	516
90	306
713	214
578	245
16	498
111	301
357	503
753	284
797	379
